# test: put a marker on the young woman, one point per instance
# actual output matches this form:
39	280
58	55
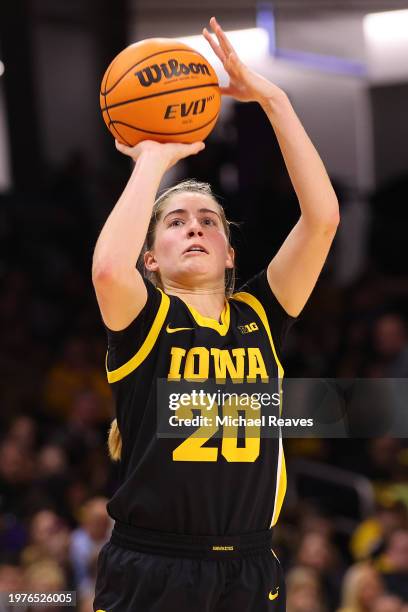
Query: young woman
194	518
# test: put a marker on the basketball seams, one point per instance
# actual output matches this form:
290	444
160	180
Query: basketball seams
123	140
155	95
107	110
108	91
106	76
166	133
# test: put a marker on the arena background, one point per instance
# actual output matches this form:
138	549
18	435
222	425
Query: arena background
343	532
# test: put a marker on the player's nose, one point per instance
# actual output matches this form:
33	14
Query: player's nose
194	228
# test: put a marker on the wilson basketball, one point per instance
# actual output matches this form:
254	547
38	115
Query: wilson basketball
160	89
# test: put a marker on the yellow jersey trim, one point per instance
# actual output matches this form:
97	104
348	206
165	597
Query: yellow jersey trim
256	305
222	328
281	484
148	344
281	478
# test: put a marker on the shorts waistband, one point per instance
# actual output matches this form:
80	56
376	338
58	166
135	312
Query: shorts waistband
192	546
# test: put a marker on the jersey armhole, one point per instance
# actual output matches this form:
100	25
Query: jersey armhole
255	304
146	347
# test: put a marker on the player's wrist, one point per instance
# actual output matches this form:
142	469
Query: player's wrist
272	98
153	160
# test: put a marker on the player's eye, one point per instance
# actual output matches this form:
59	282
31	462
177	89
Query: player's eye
176	222
209	221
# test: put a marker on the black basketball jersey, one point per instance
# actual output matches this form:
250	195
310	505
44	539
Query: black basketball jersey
209	485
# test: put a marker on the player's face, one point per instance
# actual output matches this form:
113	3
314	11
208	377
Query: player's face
190	246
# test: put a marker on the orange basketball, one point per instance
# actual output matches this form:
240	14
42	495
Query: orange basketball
160	89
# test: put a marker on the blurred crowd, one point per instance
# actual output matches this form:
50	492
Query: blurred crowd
55	475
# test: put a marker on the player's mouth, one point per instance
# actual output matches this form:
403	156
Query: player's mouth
195	249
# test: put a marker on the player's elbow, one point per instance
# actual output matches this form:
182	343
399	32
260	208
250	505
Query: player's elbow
322	224
332	222
329	221
334	218
102	273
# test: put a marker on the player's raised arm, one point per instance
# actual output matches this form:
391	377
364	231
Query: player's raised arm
294	270
120	290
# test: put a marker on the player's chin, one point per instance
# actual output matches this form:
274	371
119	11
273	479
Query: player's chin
201	263
195	269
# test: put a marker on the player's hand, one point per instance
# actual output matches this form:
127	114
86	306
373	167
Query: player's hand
245	85
166	154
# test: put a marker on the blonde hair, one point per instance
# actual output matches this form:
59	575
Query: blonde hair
189	186
301	577
353	580
45	574
114	441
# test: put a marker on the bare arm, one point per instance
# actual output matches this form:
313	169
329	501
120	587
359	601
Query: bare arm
294	270
120	290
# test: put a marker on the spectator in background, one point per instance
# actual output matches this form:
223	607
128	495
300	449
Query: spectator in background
16	469
362	586
49	541
394	564
11	581
76	494
388	603
44	577
317	553
85	427
86	597
85	604
51	479
369	537
304	593
23	431
71	374
313	519
86	542
383	458
388	356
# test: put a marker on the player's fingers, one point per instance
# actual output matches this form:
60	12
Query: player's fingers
216	48
180	150
222	38
228	91
233	59
233	65
193	148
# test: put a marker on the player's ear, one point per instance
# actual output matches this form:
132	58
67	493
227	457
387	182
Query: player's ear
230	259
150	261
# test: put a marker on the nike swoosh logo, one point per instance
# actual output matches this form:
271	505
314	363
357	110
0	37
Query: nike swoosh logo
171	330
273	596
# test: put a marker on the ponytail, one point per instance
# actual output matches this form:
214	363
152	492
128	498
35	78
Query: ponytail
114	441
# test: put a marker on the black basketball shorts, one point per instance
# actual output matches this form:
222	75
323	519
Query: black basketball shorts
147	571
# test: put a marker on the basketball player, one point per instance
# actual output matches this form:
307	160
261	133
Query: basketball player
194	517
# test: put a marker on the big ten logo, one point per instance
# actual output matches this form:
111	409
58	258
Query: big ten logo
195	107
170	70
248	328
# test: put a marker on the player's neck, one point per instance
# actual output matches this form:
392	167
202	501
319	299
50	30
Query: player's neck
210	306
208	302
